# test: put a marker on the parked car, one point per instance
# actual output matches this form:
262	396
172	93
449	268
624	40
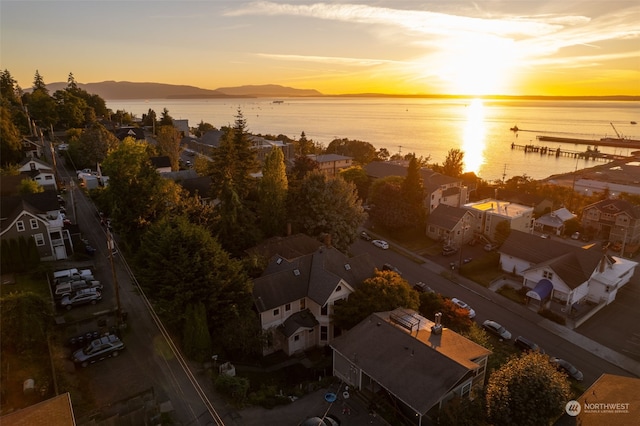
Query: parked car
65	289
390	267
449	250
81	297
495	328
463	305
98	349
381	243
365	236
575	236
421	287
527	345
72	274
567	367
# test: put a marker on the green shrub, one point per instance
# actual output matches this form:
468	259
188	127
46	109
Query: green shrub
235	388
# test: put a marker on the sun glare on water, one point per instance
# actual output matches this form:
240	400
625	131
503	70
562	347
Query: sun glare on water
474	134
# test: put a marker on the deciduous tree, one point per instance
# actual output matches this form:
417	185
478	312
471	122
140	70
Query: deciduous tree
168	139
324	205
385	291
527	390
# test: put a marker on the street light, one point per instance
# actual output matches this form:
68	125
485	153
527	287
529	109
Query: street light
465	226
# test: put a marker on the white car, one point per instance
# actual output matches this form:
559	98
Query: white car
463	305
380	243
495	328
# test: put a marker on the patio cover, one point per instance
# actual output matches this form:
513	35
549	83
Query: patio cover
542	290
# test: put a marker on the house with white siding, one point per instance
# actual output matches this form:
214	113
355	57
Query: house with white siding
295	297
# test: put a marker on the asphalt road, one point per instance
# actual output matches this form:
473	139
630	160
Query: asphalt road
488	305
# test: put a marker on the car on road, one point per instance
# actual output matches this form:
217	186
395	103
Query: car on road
575	236
495	328
365	236
527	345
98	349
81	297
449	250
390	267
464	306
421	287
567	367
381	244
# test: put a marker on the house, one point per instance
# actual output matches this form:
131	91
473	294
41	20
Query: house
295	297
416	362
32	147
161	164
451	225
36	216
490	212
136	133
331	164
264	146
540	204
200	187
56	411
615	220
611	400
553	223
438	188
564	273
38	171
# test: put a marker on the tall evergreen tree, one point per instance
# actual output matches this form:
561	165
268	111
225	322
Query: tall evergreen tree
412	190
39	84
273	193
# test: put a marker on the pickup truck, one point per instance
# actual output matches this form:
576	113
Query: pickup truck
69	287
72	274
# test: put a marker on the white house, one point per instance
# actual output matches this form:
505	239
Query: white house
490	212
564	273
295	297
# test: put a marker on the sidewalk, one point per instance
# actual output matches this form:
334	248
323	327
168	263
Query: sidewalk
571	336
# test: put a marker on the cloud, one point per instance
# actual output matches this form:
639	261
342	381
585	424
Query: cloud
362	62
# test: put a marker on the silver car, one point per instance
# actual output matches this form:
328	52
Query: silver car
495	328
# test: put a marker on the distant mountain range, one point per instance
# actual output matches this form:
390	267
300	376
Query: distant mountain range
112	90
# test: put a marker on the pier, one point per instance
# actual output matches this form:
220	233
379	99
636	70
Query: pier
589	154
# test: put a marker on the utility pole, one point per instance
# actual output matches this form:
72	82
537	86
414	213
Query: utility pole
111	248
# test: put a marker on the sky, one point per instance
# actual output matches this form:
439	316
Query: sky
504	47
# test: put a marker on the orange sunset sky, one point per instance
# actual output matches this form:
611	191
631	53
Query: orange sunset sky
523	47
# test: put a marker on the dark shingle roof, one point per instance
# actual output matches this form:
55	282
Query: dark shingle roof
313	275
288	247
159	162
446	217
574	265
413	370
616	206
430	179
303	319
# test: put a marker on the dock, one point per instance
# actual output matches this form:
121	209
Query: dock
612	142
589	154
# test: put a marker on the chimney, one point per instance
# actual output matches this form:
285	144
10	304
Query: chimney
603	264
437	327
327	240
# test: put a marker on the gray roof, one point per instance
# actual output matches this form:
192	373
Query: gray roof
430	179
574	265
39	203
412	369
446	217
326	158
212	138
162	161
314	275
303	319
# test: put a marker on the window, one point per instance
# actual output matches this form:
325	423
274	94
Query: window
324	309
339	288
48	177
287	307
39	239
548	275
33	223
465	390
296	337
20	226
323	333
276	312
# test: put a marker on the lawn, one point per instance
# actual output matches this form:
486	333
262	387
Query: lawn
25	283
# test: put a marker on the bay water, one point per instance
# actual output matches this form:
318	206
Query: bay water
427	127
